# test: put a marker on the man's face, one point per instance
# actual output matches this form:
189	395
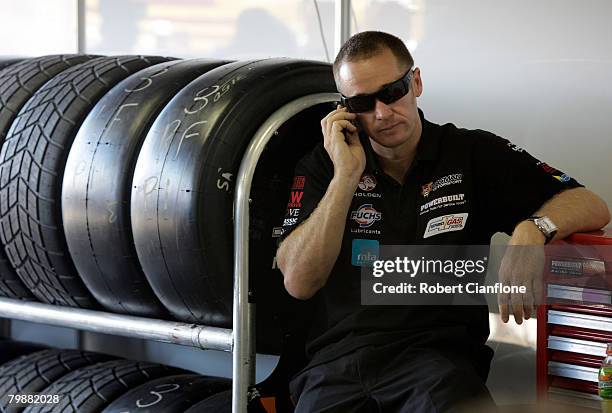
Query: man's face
390	125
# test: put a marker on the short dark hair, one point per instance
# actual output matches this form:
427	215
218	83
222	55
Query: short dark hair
367	44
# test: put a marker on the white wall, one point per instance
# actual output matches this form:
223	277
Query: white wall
537	73
37	27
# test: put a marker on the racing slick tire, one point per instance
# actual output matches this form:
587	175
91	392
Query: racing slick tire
32	161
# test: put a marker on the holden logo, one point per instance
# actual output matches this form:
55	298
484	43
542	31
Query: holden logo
367	182
426	189
366	215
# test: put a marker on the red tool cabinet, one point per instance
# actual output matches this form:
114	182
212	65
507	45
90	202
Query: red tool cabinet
576	323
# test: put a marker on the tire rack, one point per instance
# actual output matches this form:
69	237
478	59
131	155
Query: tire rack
241	339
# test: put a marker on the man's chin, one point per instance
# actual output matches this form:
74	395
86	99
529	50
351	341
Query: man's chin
390	141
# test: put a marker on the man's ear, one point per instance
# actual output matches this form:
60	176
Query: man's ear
417	82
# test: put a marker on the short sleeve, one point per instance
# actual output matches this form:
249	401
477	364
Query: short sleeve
312	176
510	184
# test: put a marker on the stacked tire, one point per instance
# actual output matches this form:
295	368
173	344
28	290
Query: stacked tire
117	182
54	380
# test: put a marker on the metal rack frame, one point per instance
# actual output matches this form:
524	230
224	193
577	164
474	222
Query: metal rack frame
240	340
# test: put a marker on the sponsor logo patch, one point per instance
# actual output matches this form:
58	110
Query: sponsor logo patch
277	232
367	182
443	201
548	169
451	179
367	194
557	174
366	215
364	252
296	199
289	221
447	180
515	147
298	182
562	178
365	231
445	223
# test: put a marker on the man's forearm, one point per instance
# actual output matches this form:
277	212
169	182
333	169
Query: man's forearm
308	254
573	210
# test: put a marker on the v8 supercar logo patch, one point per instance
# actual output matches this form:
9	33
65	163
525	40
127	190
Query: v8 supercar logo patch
445	223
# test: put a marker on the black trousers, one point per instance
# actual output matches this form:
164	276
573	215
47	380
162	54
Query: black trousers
390	378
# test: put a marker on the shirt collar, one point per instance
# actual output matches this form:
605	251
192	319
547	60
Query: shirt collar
427	149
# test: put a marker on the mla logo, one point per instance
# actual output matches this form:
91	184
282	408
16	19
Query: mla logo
366	215
367	182
364	252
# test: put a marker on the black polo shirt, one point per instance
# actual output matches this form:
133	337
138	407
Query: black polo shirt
462	187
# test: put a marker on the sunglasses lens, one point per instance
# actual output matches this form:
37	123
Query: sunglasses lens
386	95
358	104
393	92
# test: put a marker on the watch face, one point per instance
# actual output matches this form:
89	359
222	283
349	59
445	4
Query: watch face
546	225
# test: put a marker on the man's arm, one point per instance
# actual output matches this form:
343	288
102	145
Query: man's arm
572	210
308	254
513	186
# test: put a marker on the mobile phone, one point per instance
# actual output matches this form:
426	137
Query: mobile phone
355	121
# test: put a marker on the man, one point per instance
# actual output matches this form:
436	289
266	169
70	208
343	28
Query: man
354	191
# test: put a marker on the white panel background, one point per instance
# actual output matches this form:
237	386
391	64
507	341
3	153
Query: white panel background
536	73
37	27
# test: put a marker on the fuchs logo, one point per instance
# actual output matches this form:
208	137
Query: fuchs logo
367	182
426	189
366	215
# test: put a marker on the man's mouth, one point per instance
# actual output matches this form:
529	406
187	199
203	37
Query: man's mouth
388	128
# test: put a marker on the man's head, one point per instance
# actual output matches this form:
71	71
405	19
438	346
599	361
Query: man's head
366	63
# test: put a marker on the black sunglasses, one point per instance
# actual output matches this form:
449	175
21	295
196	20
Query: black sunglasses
387	94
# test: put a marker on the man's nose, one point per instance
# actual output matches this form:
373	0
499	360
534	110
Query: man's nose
381	110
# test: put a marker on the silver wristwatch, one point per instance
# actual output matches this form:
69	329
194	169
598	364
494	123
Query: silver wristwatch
545	225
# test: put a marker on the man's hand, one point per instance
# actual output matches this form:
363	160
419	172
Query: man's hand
347	154
522	265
